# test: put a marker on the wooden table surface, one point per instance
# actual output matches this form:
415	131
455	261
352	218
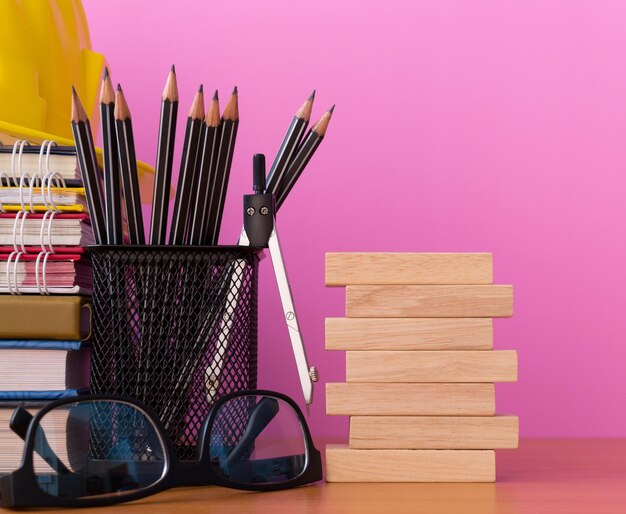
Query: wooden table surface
544	475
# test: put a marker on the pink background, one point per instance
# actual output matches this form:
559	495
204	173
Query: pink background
460	126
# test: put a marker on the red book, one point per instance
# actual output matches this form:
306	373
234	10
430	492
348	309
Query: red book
58	274
67	233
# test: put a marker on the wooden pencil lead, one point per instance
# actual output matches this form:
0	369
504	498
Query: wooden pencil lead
121	112
304	113
173	69
106	72
322	124
170	92
231	111
196	112
235	92
107	94
78	111
213	116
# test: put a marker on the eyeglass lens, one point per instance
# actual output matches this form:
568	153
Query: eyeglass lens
257	440
97	448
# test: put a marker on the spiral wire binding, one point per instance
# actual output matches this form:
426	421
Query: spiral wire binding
42	290
47	184
44	181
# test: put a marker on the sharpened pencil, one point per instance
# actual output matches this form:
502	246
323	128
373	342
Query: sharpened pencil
88	167
230	122
111	163
305	151
191	145
128	169
206	173
289	145
165	156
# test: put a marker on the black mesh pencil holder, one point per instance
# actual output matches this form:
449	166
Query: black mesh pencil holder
175	327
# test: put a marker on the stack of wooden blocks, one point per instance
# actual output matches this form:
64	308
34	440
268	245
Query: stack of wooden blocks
420	367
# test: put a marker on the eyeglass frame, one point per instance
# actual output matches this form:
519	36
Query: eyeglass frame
19	488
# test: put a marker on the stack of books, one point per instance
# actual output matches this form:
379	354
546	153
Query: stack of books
45	287
420	367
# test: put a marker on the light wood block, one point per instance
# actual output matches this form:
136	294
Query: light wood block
434	432
443	366
409	333
489	301
350	268
352	399
344	464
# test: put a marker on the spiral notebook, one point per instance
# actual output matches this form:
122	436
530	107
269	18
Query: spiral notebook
66	233
41	273
61	159
41	245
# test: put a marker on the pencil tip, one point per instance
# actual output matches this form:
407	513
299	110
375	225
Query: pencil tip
78	112
312	95
331	109
107	95
235	91
215	97
119	87
170	91
197	105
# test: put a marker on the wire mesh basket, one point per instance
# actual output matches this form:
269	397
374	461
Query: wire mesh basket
176	328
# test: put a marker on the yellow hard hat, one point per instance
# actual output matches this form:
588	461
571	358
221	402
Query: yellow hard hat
44	50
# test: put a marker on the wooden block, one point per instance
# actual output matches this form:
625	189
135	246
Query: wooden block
444	366
352	399
429	301
409	333
351	268
434	432
344	464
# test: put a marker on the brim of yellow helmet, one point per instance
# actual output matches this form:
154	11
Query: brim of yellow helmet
146	172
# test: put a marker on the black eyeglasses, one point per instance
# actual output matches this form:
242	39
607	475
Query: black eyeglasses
100	450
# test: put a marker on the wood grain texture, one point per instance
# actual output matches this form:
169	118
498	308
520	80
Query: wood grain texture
352	399
555	476
434	432
350	268
409	333
429	366
490	301
344	464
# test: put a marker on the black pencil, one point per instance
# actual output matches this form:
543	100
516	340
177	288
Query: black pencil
305	151
128	169
88	168
165	154
112	192
289	145
187	169
230	122
206	173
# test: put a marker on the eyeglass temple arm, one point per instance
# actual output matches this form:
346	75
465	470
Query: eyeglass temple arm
20	421
261	416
